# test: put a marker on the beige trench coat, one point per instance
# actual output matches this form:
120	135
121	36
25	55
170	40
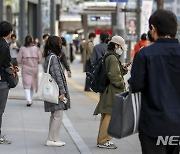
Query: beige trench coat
87	52
29	58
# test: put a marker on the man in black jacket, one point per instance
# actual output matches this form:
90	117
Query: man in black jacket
156	74
5	59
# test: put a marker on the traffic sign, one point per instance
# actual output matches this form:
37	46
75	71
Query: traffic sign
118	0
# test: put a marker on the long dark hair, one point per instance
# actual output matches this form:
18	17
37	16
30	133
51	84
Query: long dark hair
54	45
28	41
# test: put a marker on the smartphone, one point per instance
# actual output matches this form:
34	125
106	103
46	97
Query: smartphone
65	100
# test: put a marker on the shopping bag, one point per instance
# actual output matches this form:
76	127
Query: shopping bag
48	89
125	115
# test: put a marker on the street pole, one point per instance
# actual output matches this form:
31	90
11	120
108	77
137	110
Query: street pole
160	4
120	23
1	10
138	19
120	19
52	17
39	20
22	21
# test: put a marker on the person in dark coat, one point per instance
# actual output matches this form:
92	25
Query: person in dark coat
87	52
5	60
53	47
65	60
156	73
100	49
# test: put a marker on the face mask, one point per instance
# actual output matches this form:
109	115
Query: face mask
119	51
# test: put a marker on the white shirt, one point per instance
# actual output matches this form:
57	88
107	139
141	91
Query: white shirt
13	52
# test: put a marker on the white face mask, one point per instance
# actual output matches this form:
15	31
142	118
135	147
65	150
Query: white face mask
119	51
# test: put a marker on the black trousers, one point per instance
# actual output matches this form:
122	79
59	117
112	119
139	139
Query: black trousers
148	145
3	100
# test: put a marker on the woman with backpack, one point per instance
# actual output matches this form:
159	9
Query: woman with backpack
115	72
52	53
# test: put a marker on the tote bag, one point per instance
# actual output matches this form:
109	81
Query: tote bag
125	115
48	89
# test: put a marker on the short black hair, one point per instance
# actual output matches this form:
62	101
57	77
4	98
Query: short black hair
165	22
5	28
13	35
144	36
104	36
45	35
92	35
150	36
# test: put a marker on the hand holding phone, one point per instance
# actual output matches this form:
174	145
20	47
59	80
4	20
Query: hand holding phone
65	100
127	65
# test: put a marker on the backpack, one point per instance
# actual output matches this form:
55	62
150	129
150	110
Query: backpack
97	77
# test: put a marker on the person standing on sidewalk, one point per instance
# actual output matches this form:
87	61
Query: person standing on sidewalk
53	48
45	38
100	49
29	56
5	60
87	52
115	72
142	43
14	49
65	60
155	73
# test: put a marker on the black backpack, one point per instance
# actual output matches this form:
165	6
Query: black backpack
97	77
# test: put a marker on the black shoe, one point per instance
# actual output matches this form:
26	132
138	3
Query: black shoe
87	89
29	104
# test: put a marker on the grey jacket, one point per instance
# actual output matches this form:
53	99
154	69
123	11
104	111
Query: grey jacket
98	51
57	73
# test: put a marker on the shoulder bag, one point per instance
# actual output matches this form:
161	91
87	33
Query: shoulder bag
12	76
48	89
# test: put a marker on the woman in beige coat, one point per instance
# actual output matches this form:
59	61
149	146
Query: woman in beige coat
29	57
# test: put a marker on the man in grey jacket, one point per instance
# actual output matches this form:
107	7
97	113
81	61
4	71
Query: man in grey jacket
100	49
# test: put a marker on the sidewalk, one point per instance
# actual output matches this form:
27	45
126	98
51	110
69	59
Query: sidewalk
27	127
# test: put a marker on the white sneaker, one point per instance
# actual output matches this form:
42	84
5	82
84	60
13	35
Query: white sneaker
107	145
4	140
55	143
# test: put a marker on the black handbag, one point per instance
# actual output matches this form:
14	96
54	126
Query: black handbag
125	115
12	76
88	65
